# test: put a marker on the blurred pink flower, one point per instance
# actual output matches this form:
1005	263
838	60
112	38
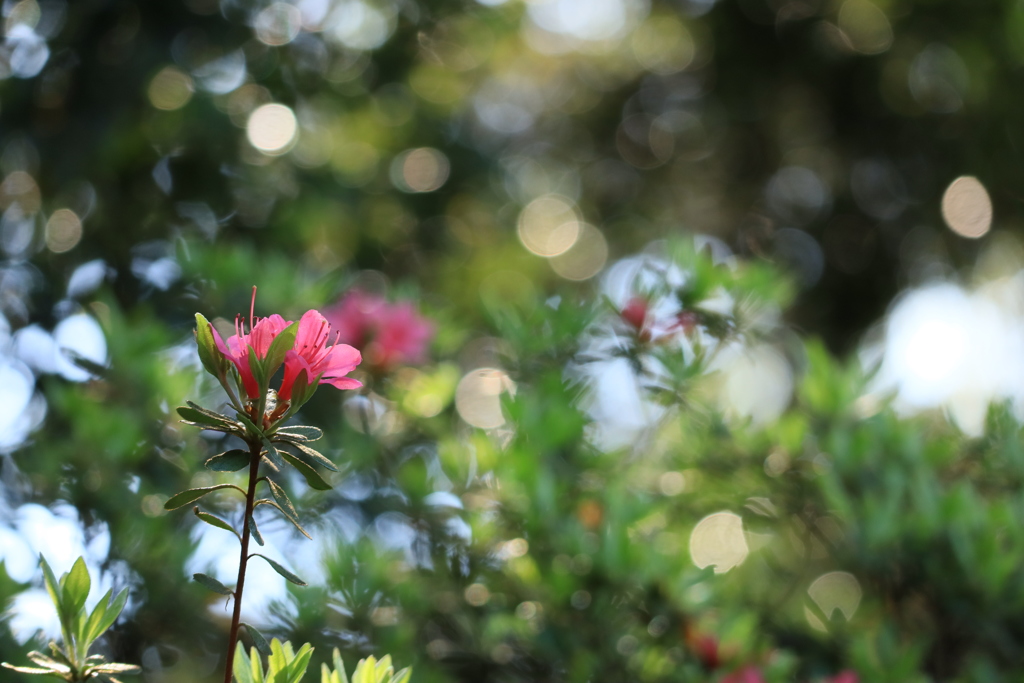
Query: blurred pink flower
846	676
748	674
329	363
390	334
236	350
635	312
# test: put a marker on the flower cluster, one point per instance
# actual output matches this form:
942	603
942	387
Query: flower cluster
306	349
391	334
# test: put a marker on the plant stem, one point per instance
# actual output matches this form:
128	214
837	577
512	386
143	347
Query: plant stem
255	450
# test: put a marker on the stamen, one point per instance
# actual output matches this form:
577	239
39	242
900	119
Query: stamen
252	310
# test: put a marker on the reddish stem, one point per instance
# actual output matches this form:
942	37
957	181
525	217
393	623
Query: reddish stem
255	450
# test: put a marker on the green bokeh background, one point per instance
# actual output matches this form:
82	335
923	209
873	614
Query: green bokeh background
673	125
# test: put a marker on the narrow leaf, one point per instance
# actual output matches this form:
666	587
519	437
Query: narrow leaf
214	520
237	429
52	585
402	676
253	429
85	636
273	455
300	433
256	667
254	531
209	354
312	477
311	457
26	669
282	571
257	367
113	611
116	668
205	417
185	497
242	667
228	461
296	669
76	587
302	391
48	662
284	503
282	344
212	584
339	666
257	639
265	501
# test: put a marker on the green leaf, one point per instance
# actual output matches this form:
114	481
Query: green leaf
256	668
214	520
254	531
282	344
296	669
110	615
210	356
272	454
48	662
313	477
76	587
339	666
26	669
265	501
300	433
252	428
284	504
228	461
117	668
365	671
242	666
312	457
402	676
185	497
257	639
277	659
196	413
302	391
257	366
212	583
281	570
52	586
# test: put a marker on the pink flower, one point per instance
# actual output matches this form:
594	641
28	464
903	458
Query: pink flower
846	676
635	312
390	334
236	350
323	363
748	674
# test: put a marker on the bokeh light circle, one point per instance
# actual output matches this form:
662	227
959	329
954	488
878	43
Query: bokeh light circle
272	128
967	208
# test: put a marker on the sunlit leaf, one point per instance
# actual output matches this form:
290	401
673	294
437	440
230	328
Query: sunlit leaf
300	433
76	587
214	520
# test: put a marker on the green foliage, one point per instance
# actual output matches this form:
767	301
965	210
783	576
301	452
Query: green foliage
284	664
368	670
80	629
